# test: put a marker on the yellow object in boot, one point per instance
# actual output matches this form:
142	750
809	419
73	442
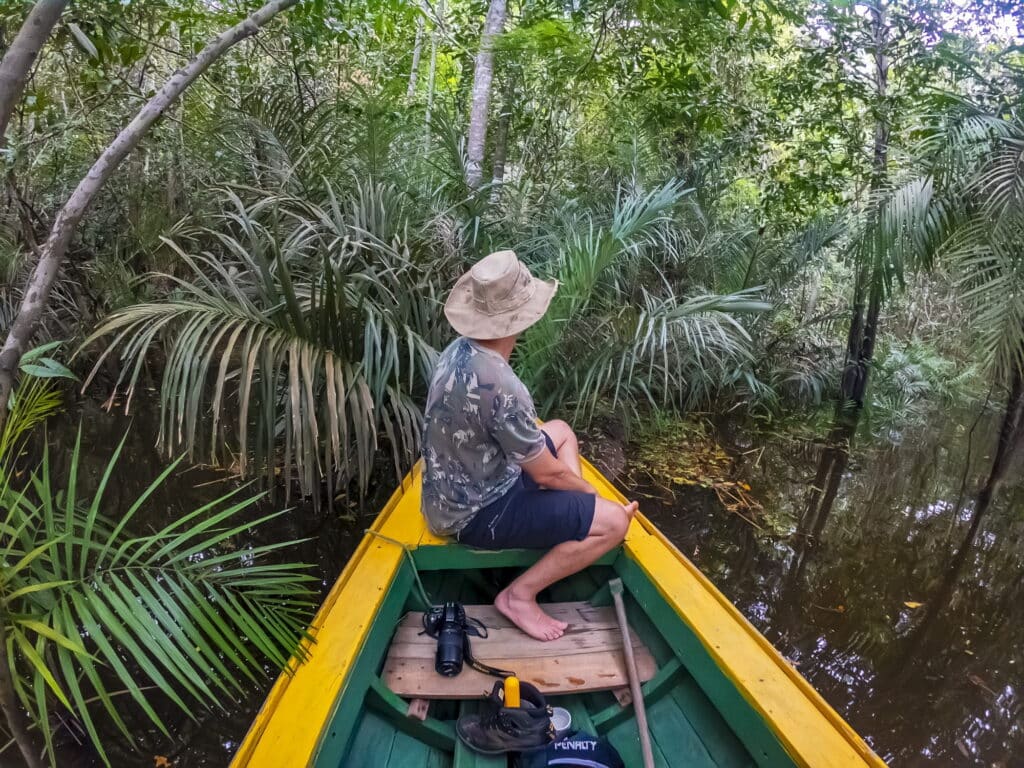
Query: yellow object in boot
511	691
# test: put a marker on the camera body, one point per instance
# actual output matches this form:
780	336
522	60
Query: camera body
448	624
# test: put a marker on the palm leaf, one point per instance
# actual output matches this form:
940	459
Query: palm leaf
306	320
172	609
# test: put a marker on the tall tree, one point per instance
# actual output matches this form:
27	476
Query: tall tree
417	50
869	281
501	145
432	73
483	77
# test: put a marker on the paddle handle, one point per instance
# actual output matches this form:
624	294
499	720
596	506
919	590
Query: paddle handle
615	587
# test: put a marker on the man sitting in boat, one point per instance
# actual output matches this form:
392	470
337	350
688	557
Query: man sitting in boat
493	478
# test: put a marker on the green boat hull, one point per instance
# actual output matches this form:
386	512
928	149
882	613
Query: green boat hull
370	726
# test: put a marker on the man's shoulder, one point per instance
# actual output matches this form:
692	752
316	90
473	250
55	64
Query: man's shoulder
463	354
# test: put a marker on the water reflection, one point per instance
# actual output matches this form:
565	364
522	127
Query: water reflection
906	619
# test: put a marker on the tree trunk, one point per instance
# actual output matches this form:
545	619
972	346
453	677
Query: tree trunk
483	76
863	333
500	148
19	58
835	457
37	291
432	75
174	194
417	50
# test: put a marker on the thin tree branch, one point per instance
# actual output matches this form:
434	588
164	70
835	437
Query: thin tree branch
37	290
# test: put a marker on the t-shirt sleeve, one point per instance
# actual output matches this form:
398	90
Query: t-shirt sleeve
513	427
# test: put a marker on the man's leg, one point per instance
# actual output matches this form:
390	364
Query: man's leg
518	601
566	446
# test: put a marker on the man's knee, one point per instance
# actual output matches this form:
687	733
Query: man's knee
560	432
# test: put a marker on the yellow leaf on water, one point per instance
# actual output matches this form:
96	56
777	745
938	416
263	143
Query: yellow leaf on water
912	604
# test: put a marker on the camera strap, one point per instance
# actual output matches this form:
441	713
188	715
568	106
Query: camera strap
477	628
479	666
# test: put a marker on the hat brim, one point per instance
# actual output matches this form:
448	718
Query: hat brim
469	321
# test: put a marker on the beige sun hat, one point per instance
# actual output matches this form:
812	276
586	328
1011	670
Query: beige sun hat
498	297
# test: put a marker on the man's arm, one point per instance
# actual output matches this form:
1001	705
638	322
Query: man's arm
554	474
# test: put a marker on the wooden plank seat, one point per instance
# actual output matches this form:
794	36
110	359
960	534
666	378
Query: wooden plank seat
588	657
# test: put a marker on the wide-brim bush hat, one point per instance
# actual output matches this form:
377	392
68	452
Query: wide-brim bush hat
498	297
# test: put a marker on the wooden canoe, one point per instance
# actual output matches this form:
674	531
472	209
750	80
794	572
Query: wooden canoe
717	694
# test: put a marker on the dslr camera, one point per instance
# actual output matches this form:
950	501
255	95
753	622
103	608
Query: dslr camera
447	623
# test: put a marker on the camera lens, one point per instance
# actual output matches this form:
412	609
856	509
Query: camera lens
448	661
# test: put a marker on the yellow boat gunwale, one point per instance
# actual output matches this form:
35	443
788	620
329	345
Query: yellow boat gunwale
289	726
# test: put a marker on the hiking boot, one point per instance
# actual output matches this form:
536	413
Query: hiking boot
497	729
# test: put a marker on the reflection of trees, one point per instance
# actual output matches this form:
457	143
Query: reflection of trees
1010	597
835	456
1011	432
972	647
878	538
878	525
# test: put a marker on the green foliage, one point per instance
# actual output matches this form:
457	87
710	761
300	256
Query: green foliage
988	249
911	382
34	399
698	176
90	610
620	283
315	322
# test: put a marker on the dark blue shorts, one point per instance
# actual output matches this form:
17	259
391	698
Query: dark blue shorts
530	517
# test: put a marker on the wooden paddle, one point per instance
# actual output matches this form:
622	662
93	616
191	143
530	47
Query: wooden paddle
615	586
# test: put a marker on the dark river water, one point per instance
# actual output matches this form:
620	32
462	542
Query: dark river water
921	651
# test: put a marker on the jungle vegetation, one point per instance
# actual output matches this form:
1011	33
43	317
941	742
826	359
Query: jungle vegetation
767	208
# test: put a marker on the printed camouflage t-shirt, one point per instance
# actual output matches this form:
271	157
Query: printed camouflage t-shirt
479	425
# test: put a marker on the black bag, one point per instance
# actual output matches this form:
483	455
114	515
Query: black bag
576	749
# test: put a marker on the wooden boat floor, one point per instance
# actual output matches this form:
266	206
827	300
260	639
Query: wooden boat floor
687	729
588	657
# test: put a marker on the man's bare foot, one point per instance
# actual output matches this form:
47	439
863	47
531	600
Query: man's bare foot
528	616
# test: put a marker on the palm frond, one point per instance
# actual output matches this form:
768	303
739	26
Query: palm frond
306	320
34	400
674	352
191	608
592	265
987	249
